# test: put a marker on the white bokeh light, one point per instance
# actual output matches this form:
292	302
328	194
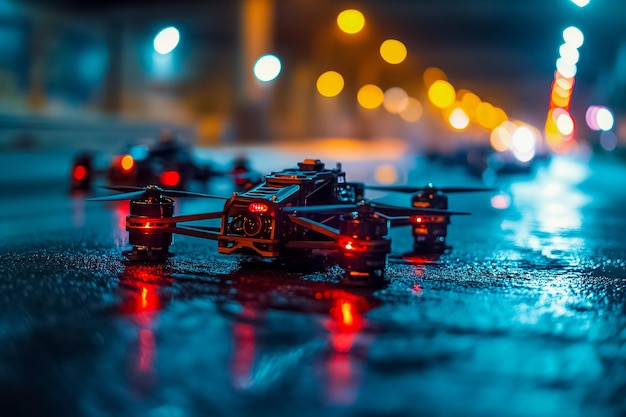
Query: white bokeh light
166	40
459	119
566	69
604	119
573	36
569	53
267	68
581	3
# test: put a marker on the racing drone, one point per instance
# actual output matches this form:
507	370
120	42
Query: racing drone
293	211
429	230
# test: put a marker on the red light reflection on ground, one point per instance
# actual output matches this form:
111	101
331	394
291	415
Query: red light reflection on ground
142	300
244	350
345	324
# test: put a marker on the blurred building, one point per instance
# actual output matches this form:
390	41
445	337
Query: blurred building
85	62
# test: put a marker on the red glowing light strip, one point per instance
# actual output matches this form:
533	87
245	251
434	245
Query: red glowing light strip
258	208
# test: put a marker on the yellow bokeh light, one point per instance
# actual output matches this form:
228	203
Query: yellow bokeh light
469	102
559	101
486	115
413	110
386	174
330	83
351	21
370	96
441	93
432	74
393	51
500	116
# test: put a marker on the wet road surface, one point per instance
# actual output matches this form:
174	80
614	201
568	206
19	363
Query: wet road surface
524	316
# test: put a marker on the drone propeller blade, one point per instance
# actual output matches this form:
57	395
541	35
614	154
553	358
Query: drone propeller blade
382	209
123	196
177	193
395	188
412	190
123	188
397	211
464	189
322	209
165	192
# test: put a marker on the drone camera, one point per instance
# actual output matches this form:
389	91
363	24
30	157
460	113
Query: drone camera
252	220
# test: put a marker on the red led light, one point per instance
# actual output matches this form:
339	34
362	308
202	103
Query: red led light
417	219
80	173
258	208
352	245
170	178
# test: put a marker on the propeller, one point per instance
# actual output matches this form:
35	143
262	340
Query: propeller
385	210
132	193
412	190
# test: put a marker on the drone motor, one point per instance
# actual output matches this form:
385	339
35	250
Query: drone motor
363	247
148	239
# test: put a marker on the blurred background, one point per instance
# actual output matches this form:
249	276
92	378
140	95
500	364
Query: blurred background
527	78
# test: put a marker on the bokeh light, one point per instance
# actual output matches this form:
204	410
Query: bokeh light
500	116
351	21
469	102
604	118
432	74
127	163
166	40
500	137
523	140
565	84
581	3
370	96
413	110
608	141
393	51
566	69
330	84
565	123
569	53
501	201
441	93
518	137
386	174
267	68
458	119
599	118
395	100
486	115
574	36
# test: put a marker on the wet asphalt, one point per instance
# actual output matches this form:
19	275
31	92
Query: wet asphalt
524	316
